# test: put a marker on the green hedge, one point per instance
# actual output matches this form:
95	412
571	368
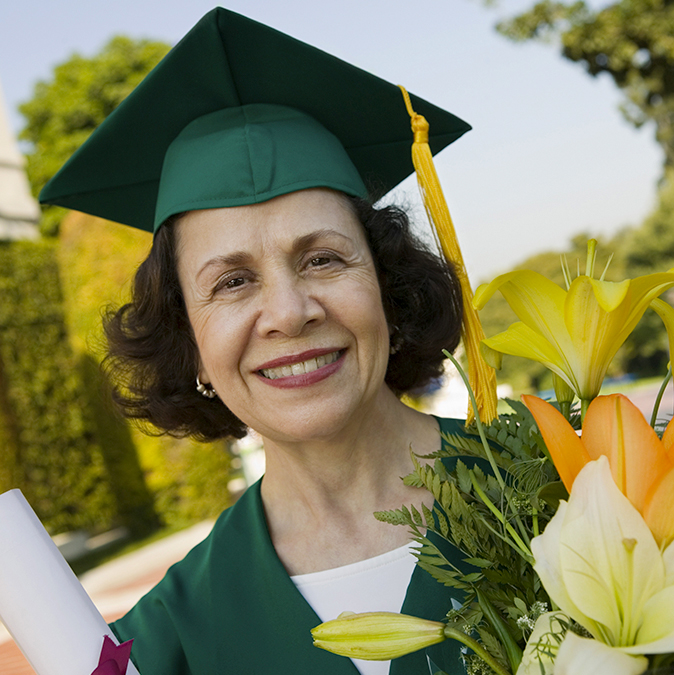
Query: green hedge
187	480
52	455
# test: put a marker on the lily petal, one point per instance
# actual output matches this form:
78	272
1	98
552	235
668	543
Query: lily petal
668	559
658	510
594	329
656	634
582	656
668	439
542	645
520	340
642	291
566	449
666	312
546	551
615	427
609	294
611	564
537	302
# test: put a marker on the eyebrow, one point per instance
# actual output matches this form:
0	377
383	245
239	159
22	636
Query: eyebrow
307	240
230	260
239	258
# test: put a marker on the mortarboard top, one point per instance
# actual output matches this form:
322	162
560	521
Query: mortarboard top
238	113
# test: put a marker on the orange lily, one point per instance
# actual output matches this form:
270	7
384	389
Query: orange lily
642	465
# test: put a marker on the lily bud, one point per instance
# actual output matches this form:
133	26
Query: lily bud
377	636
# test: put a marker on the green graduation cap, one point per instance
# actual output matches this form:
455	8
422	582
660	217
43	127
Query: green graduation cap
238	113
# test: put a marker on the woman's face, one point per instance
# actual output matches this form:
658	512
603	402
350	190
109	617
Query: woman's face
286	310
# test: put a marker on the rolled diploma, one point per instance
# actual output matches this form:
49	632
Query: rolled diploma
42	603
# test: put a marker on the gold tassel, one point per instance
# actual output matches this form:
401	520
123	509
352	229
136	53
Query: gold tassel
481	376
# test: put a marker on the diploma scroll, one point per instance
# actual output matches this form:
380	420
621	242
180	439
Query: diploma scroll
42	603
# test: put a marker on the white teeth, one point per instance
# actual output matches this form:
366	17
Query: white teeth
300	368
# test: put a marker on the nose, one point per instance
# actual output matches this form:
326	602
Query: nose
288	306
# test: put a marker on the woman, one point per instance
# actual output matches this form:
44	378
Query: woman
275	297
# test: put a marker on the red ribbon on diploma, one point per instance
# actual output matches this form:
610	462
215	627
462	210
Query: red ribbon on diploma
114	659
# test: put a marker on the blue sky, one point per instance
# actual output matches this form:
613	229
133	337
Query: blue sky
549	155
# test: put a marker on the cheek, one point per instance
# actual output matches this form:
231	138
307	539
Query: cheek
367	312
221	339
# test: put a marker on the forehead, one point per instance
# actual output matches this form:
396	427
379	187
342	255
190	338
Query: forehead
277	222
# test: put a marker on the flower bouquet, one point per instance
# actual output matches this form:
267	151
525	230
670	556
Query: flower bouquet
564	514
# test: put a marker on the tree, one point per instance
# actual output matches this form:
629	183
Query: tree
631	40
82	93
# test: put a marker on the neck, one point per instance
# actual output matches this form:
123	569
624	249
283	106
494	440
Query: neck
335	484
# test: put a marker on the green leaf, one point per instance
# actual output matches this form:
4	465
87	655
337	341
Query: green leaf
512	649
479	562
552	493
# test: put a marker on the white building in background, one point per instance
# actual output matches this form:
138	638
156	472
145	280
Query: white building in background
19	212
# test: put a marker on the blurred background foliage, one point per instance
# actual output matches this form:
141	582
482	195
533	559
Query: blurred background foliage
636	251
85	467
82	93
79	463
632	42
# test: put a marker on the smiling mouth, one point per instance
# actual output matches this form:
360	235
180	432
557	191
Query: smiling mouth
302	367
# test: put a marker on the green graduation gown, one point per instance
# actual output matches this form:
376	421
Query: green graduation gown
230	608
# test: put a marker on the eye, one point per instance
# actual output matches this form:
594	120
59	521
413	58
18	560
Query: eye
232	281
319	261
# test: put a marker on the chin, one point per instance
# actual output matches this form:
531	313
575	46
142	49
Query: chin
318	423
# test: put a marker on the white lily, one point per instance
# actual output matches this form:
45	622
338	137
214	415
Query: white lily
581	655
539	655
601	565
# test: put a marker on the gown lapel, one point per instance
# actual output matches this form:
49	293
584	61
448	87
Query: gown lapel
278	615
281	617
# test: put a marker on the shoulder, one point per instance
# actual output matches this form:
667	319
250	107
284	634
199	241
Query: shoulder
184	611
451	425
231	532
189	580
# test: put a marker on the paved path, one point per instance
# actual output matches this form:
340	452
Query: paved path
116	586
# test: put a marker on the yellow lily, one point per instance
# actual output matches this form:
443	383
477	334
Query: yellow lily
600	563
641	464
574	333
380	636
376	636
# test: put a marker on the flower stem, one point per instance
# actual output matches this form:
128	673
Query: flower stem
478	422
523	548
661	393
477	648
565	408
534	518
490	454
584	405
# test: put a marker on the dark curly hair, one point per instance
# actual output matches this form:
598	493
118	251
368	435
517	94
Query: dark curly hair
153	359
